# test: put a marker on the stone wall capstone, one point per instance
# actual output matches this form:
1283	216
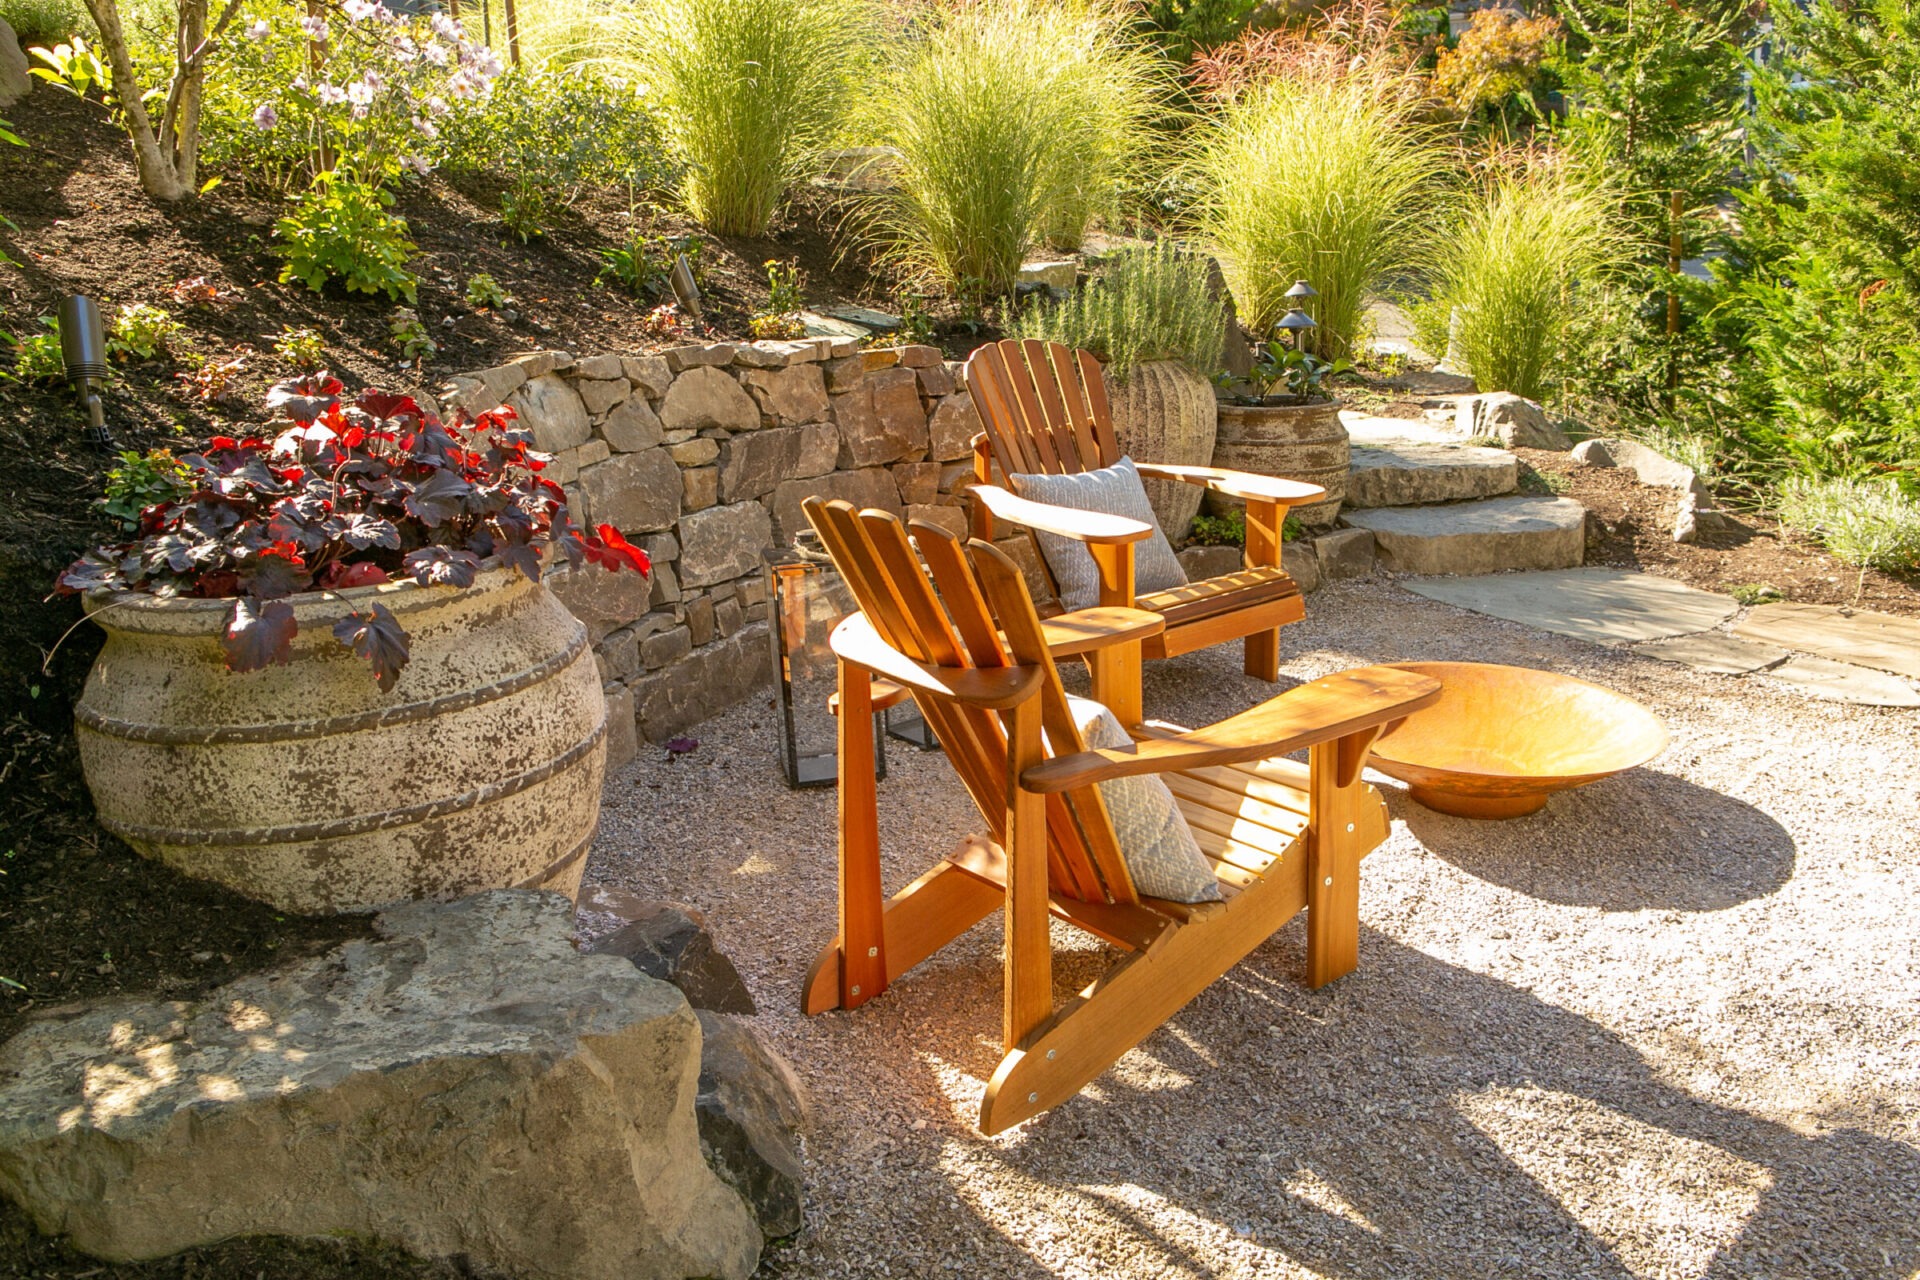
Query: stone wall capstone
703	454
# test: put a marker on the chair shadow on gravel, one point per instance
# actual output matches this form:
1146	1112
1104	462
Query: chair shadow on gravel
1641	839
1418	1118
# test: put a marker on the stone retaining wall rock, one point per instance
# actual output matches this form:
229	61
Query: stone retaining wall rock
703	455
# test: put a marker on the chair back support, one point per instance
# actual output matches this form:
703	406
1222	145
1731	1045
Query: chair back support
969	607
1043	406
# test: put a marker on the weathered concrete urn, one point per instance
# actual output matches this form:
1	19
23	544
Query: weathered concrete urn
1165	412
305	786
1304	442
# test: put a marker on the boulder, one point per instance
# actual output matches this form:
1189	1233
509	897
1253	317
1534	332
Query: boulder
1515	421
623	741
952	519
792	395
882	421
1490	536
669	941
603	599
871	487
722	543
1201	562
650	374
704	683
15	83
632	426
751	465
704	396
697	452
1404	474
1593	453
1059	274
1302	563
750	1109
1652	467
845	373
553	411
699	488
919	481
680	359
951	428
1344	553
601	394
633	491
465	1084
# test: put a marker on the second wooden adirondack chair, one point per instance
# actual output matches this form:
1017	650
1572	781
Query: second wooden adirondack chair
957	627
1045	412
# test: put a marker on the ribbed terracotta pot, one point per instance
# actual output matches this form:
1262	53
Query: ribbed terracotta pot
1305	442
1165	412
304	786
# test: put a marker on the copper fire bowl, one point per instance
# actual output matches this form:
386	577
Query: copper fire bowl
1502	739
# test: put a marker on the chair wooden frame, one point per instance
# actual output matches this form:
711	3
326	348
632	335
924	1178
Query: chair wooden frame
1044	409
956	626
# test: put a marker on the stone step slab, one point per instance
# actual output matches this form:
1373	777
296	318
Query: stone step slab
1405	475
1470	538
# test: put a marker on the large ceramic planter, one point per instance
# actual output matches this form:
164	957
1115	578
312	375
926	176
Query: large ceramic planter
305	786
1305	442
1165	412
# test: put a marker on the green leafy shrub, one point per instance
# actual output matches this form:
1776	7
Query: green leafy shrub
341	230
781	319
44	22
1509	278
1148	304
1013	122
554	132
1869	525
409	333
140	331
1229	530
1324	179
484	292
644	264
140	481
749	93
36	357
304	349
1753	593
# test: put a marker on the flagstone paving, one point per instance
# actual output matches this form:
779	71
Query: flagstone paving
1865	639
1716	651
1845	682
1606	606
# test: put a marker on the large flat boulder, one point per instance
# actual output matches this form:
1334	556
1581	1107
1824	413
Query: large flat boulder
464	1083
1405	475
1478	537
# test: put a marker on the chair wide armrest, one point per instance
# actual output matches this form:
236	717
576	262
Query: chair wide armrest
1069	635
1081	526
991	688
1238	484
1328	708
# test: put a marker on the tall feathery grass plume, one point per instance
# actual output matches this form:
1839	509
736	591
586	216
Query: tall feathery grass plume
1014	122
749	93
1331	179
1507	278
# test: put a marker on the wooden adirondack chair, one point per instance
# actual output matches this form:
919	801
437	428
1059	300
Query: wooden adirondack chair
1045	410
962	634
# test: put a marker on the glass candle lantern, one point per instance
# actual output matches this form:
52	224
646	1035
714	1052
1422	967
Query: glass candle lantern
809	600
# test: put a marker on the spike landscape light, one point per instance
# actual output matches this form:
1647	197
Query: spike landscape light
83	348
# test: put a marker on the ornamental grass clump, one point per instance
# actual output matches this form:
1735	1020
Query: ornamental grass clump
1325	179
1014	123
346	495
1507	281
748	93
1149	304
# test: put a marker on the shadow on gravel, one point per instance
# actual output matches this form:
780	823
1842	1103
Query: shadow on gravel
1420	1119
1642	839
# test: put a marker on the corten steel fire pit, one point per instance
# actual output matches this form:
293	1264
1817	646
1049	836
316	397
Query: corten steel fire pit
1502	739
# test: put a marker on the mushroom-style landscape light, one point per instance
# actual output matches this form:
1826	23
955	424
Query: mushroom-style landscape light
83	348
1298	322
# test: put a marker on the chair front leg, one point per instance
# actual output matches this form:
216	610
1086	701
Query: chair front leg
1029	947
1337	841
863	960
1116	670
1265	520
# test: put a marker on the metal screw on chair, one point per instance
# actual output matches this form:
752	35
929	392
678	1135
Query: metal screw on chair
1050	1054
872	952
1349	828
1329	884
856	990
1033	1097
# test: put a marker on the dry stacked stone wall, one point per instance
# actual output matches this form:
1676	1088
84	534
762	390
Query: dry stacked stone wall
702	455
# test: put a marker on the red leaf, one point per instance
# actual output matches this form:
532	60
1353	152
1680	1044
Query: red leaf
442	567
259	633
340	576
386	404
376	635
611	550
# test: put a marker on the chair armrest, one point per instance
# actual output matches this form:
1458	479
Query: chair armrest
1081	526
1331	707
1238	484
991	688
1069	635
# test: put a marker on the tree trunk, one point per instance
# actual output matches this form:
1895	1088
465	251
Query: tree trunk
158	176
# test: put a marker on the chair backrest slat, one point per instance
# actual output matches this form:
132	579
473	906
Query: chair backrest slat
948	622
1044	407
990	384
1098	407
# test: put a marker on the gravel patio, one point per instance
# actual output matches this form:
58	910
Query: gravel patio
1668	1027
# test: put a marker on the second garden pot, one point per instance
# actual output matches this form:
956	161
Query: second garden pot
1305	442
1165	412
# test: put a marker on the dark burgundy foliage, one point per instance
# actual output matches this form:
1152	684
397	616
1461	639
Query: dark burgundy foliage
348	495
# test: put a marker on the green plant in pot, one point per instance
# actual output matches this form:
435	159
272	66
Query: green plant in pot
1154	319
334	676
1282	419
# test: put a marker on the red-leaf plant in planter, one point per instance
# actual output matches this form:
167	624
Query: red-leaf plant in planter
347	495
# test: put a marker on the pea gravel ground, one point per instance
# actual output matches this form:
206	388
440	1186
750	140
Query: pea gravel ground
1667	1028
